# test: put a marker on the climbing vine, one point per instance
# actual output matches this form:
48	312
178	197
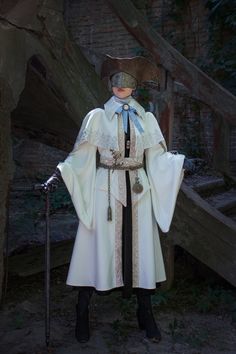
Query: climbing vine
220	63
222	42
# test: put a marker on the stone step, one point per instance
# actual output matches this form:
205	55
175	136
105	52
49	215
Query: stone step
224	202
210	185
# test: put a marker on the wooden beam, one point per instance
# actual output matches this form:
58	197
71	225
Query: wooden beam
200	86
205	233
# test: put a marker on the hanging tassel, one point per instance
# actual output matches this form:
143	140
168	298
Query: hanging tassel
109	213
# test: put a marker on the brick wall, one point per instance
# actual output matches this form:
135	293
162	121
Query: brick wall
197	136
98	31
186	30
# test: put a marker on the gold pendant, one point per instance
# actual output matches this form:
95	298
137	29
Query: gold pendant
137	187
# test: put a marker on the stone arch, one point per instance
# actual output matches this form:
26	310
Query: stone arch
42	107
39	57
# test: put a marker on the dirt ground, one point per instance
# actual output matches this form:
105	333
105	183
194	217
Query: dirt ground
196	316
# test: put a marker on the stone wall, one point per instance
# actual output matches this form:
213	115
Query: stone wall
35	30
6	171
34	163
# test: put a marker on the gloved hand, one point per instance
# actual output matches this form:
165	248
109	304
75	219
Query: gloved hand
187	164
52	183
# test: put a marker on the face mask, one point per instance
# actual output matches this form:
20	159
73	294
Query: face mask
124	80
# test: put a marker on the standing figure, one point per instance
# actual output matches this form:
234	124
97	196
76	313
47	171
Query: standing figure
122	182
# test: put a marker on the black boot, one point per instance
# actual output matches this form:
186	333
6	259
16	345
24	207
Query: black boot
145	316
82	315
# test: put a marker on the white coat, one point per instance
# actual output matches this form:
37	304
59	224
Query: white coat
97	254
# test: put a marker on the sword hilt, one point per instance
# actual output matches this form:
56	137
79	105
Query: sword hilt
37	186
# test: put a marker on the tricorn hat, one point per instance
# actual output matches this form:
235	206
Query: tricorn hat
139	67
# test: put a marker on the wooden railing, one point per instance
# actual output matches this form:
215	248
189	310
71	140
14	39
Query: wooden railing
176	67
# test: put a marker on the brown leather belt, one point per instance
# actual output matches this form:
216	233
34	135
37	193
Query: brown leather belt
121	167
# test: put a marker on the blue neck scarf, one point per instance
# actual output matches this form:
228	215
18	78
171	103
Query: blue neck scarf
129	112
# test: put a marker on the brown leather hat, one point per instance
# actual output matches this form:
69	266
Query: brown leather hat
139	67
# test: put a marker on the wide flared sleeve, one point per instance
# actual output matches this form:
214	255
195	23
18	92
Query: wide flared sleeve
165	173
79	171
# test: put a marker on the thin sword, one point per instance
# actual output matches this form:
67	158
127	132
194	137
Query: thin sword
47	274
